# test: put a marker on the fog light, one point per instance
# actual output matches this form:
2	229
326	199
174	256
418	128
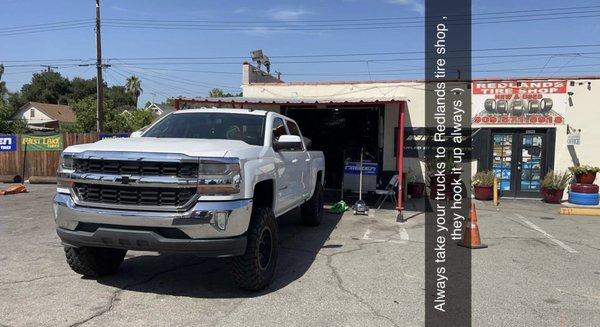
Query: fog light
219	220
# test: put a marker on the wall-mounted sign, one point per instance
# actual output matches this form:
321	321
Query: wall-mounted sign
415	141
42	143
369	168
8	143
526	102
574	138
103	136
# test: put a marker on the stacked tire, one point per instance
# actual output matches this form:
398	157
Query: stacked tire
584	194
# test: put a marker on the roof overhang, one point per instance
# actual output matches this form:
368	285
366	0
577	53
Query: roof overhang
290	101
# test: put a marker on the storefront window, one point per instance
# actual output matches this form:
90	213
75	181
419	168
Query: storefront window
531	158
502	159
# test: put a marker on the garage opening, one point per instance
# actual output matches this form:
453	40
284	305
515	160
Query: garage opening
340	132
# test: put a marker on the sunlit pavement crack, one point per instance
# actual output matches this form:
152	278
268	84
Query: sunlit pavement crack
116	293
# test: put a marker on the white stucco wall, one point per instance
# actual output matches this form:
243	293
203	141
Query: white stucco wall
584	114
39	117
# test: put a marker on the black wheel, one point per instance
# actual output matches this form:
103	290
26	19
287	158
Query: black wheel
311	211
94	262
255	269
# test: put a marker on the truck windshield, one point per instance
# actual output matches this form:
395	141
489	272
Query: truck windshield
211	125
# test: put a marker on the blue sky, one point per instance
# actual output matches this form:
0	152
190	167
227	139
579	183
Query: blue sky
161	78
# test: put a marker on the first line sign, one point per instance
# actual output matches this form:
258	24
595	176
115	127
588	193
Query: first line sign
8	143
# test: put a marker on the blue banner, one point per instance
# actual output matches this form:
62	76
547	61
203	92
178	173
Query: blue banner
369	168
8	143
103	136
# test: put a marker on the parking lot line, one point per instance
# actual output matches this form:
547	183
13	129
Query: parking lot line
366	235
543	232
404	234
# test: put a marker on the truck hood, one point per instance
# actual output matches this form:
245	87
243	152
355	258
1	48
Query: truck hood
189	147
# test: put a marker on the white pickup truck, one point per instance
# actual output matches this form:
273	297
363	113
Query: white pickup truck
205	181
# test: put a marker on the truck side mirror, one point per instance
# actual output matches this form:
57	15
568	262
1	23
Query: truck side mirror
288	142
307	142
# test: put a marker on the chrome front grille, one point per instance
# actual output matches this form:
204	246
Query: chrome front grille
134	196
137	168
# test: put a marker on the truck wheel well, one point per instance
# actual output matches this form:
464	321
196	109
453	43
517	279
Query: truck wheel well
263	194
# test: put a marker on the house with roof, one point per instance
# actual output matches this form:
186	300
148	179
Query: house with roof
44	115
159	109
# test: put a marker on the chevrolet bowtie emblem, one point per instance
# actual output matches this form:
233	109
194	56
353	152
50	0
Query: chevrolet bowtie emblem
124	180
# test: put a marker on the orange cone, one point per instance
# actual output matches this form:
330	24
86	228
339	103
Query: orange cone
471	236
14	190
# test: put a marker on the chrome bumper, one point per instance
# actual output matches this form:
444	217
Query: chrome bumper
205	220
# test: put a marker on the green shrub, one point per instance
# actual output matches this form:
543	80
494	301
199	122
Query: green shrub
584	169
556	181
483	178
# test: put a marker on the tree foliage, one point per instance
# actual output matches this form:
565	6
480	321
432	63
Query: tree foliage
79	93
117	119
219	93
133	86
47	87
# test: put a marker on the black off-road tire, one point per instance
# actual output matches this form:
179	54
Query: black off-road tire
311	211
93	261
254	270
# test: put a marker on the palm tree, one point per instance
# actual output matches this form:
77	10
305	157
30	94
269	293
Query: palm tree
134	87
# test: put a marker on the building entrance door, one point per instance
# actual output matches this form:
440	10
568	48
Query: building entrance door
519	161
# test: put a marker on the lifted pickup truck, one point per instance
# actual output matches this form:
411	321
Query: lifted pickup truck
204	181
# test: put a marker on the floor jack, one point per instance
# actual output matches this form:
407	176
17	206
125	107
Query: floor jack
360	207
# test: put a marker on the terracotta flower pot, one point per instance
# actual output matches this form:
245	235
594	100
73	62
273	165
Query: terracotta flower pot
433	186
551	195
483	192
587	178
415	190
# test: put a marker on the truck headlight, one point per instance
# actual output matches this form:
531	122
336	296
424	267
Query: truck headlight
66	166
219	178
66	162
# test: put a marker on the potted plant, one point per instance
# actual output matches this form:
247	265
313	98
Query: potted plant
584	174
553	186
431	169
415	186
483	185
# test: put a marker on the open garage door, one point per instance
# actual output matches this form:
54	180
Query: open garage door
340	132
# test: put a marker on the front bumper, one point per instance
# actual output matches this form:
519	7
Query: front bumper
208	228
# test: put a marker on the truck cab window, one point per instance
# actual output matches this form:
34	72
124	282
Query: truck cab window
293	128
278	128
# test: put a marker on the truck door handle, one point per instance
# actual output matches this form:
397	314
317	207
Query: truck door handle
294	160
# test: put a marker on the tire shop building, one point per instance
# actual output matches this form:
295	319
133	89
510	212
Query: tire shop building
521	128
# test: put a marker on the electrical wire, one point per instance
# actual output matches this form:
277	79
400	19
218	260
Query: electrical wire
357	19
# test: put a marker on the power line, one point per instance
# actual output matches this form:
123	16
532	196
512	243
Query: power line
332	27
353	19
363	54
125	76
307	55
370	60
49	24
332	24
286	24
38	30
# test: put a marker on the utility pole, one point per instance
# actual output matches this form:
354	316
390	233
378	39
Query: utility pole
99	82
49	68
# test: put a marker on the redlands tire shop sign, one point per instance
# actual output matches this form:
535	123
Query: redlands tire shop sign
526	102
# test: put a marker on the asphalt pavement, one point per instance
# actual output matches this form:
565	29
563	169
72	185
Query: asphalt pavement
540	269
